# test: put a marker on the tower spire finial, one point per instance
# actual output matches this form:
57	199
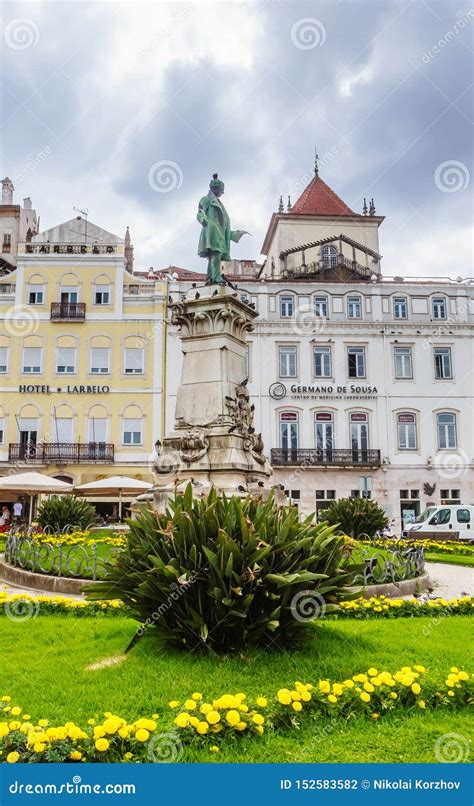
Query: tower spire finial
316	158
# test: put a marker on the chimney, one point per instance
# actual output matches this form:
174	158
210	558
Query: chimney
27	205
7	191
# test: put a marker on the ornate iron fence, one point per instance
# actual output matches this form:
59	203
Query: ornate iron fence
394	566
60	559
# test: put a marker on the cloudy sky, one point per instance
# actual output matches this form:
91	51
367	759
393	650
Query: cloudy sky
128	108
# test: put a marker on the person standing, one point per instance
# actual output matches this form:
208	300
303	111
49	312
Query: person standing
17	511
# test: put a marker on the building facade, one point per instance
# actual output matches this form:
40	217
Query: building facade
81	357
362	385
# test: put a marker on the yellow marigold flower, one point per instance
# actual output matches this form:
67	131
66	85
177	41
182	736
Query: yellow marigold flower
463	676
324	686
89	722
419	668
216	728
375	716
232	717
244	708
296	705
262	702
305	696
213	717
102	745
75	755
421	704
6	698
260	729
365	697
182	720
123	733
240	697
173	704
13	757
15	725
16	711
258	719
142	735
416	688
205	708
202	728
332	698
214	749
26	717
190	705
407	680
368	687
197	695
4	729
450	693
111	725
372	672
349	683
43	723
39	747
284	696
128	756
99	732
337	689
241	726
193	721
148	724
295	695
454	669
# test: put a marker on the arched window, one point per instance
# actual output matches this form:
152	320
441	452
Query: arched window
324	435
329	256
406	431
132	426
289	436
446	427
133	357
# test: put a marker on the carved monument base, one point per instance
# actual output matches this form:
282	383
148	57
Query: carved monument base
214	441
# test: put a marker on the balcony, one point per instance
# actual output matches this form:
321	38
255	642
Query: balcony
68	311
62	453
332	457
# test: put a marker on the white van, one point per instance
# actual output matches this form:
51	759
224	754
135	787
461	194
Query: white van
443	523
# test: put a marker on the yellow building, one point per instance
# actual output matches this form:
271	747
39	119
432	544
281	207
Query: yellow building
81	357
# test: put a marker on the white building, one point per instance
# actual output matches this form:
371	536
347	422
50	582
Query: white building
362	385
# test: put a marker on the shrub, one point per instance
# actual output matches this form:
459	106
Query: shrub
65	514
228	572
356	517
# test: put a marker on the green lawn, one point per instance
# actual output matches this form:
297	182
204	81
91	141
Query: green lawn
450	559
45	672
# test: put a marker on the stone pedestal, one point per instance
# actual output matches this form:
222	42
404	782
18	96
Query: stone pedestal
215	441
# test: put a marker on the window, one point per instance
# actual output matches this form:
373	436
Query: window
324	435
359	435
132	431
32	359
400	308
100	360
441	517
63	428
439	308
354	307
97	429
102	294
463	516
321	307
2	430
322	362
443	363
68	293
287	361
329	256
324	499
294	496
3	359
36	295
288	430
403	362
66	360
450	497
446	427
356	362
406	429
287	305
133	361
7	240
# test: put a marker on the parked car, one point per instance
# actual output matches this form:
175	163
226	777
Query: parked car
443	523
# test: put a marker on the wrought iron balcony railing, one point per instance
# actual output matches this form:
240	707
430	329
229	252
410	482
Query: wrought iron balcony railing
65	311
337	457
61	452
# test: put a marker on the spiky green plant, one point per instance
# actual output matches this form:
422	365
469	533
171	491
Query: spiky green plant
66	513
227	573
357	517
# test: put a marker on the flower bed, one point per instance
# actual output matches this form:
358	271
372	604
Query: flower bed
77	555
376	607
435	546
374	694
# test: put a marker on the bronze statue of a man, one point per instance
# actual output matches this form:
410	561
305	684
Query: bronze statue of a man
216	234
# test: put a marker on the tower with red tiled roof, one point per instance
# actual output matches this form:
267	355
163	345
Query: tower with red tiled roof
319	222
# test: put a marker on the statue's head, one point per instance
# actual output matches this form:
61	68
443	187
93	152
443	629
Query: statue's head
216	185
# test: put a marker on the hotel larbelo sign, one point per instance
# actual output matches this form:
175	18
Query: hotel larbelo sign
350	391
46	389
